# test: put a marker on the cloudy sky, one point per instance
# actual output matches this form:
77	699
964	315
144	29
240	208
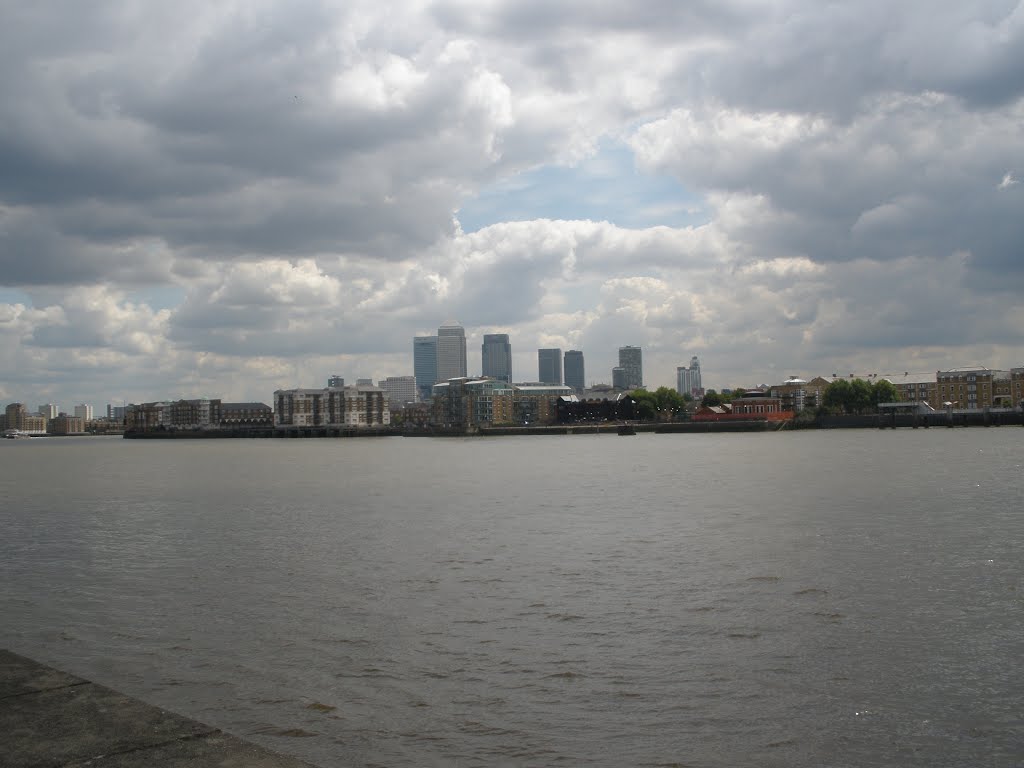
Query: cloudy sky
223	198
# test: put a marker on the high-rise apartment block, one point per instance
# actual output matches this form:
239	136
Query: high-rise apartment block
496	357
336	382
84	412
549	366
631	360
424	364
48	411
688	379
451	352
574	374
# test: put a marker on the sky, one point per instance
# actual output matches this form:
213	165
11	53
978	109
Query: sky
211	198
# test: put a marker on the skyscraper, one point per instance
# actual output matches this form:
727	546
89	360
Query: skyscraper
549	366
401	390
619	378
574	370
688	379
631	360
496	357
451	351
424	364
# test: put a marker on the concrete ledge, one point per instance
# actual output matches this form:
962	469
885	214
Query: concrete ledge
50	719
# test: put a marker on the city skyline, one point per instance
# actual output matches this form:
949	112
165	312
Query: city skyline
228	202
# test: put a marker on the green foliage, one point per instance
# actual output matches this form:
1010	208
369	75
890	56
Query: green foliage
711	399
670	402
664	404
857	395
884	392
837	396
646	404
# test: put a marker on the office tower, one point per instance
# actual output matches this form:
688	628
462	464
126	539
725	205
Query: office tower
364	382
451	351
631	359
574	370
336	382
401	390
549	366
619	378
48	411
496	357
688	379
424	364
83	412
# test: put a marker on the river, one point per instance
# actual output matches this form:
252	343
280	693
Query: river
839	598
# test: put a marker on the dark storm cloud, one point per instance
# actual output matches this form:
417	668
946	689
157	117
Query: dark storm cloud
828	57
530	20
231	138
34	251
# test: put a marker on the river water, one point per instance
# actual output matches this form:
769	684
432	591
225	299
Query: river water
841	598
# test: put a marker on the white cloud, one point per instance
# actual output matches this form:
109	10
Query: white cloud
293	172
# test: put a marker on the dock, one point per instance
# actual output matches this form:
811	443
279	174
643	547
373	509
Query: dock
50	719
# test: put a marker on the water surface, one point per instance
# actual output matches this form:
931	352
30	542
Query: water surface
843	598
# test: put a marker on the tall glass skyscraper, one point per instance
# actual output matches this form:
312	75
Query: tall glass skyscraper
424	364
631	361
451	351
496	357
549	366
574	370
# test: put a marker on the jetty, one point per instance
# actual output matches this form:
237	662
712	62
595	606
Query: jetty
50	719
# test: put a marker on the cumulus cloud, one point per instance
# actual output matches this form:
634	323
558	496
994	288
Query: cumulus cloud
293	173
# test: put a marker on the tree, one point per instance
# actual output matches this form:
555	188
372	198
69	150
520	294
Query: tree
669	402
884	391
837	396
711	399
860	396
857	395
646	404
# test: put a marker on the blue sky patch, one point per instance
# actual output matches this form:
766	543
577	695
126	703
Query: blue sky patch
605	187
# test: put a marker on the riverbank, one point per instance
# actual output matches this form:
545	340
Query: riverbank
50	718
978	418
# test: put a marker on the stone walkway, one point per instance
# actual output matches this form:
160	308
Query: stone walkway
50	719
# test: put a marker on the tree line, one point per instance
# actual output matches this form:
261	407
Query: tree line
857	395
852	396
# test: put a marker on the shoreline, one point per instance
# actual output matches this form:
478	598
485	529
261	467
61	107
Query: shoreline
937	419
52	718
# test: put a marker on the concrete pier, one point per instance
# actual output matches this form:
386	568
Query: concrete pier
50	719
